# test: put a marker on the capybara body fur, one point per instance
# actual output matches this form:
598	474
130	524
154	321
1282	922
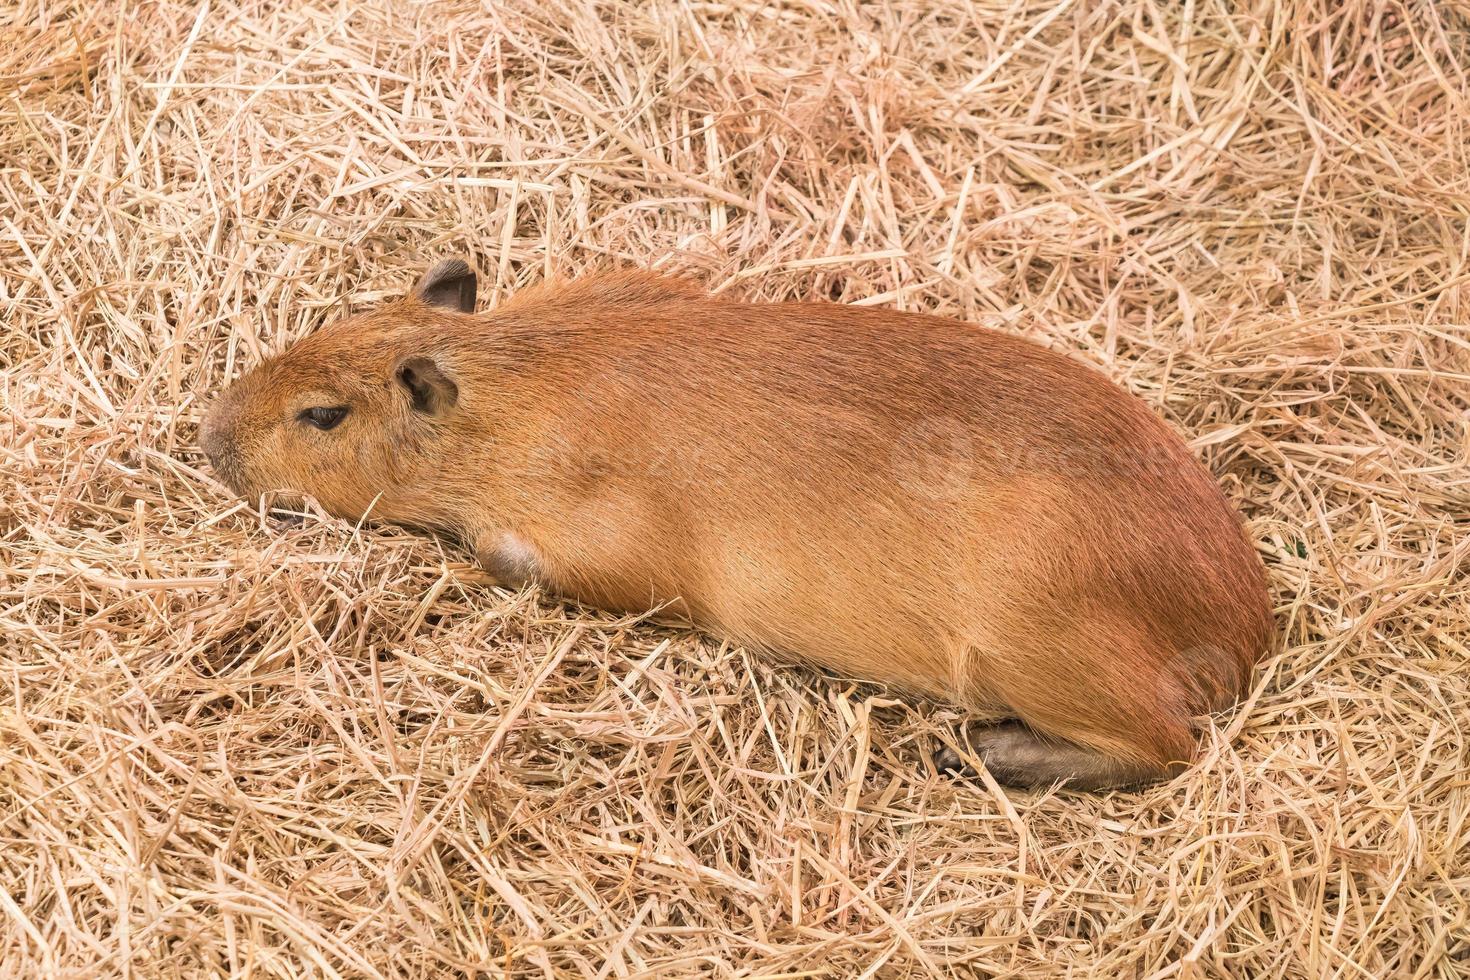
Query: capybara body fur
900	498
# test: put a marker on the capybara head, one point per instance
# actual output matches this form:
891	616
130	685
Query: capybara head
354	413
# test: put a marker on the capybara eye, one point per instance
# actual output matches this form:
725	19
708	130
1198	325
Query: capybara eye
323	418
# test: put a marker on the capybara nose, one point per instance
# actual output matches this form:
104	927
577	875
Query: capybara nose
219	446
211	440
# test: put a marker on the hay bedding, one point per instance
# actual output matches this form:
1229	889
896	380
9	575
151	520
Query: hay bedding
233	746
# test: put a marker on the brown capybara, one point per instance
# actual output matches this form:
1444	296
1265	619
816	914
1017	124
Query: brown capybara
900	498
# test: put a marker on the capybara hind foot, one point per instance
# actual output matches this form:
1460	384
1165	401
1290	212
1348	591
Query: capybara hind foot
1017	756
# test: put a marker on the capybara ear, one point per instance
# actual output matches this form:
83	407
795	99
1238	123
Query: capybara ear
449	283
431	391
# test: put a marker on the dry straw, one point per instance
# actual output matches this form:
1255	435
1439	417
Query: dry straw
228	746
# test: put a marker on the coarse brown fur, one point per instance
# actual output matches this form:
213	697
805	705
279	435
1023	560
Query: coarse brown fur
898	497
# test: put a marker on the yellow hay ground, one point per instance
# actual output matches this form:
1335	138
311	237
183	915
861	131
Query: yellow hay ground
231	746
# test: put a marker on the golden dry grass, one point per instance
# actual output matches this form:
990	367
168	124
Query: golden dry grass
233	747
